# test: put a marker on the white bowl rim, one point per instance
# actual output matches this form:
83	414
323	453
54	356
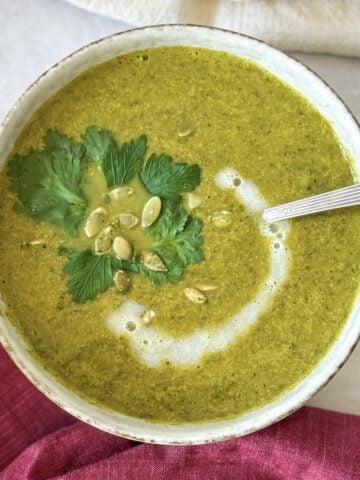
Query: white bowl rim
198	433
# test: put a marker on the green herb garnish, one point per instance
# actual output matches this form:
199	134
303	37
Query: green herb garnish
161	176
47	182
90	274
177	240
119	163
48	186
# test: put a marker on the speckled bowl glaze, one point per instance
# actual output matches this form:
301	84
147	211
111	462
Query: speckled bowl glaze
302	80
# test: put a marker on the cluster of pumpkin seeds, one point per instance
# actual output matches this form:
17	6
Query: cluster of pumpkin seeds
108	234
108	237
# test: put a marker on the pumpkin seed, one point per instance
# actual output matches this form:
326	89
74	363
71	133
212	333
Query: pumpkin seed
151	211
120	192
104	240
193	201
128	220
122	248
147	316
152	261
33	243
221	219
38	243
122	281
195	296
204	287
185	128
95	221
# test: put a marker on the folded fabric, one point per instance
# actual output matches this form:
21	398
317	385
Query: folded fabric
39	441
327	26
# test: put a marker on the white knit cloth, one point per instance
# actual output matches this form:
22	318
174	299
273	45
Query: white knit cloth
327	26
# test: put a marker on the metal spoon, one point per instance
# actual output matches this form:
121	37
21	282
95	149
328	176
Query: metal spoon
343	197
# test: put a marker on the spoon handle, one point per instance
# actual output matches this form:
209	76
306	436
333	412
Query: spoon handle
343	197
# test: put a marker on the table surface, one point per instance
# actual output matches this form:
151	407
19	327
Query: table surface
36	34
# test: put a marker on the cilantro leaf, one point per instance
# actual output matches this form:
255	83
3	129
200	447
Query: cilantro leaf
57	141
131	158
47	182
185	248
177	240
119	163
171	221
90	274
161	176
97	143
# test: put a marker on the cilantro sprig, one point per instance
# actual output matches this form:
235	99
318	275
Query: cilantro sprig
119	163
48	186
47	182
177	239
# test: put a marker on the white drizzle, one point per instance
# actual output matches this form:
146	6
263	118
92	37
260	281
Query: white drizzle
154	346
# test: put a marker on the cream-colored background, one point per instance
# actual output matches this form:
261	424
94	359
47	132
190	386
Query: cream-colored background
36	34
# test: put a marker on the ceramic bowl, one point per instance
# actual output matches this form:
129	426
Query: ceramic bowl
304	81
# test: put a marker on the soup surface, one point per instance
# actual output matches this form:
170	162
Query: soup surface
268	302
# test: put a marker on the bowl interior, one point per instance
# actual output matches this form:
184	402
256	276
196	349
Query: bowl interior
302	80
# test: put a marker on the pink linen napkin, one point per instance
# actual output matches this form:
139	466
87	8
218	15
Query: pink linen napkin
38	441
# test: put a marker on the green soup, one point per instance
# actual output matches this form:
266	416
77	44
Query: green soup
192	362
